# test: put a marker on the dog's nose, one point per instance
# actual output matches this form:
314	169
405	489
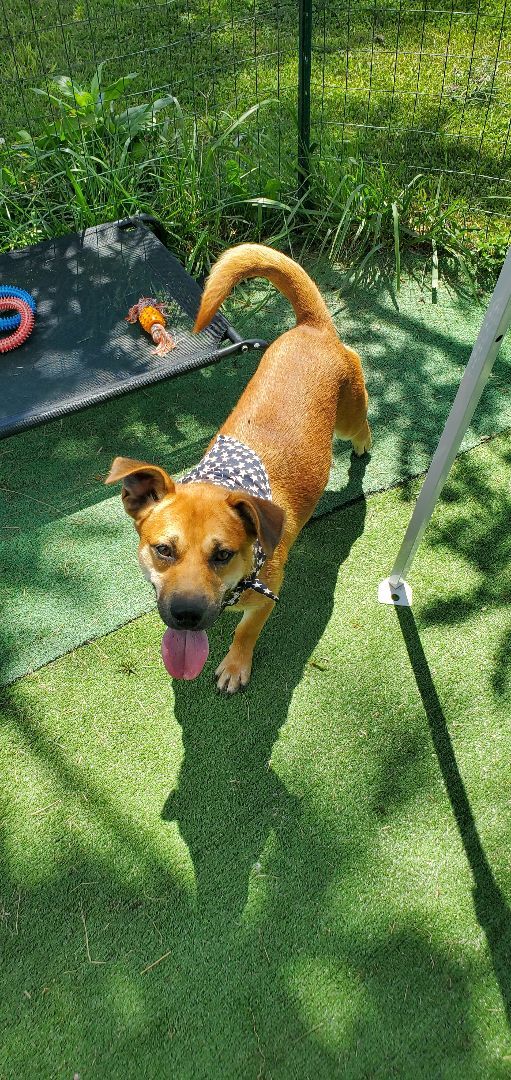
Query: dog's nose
186	612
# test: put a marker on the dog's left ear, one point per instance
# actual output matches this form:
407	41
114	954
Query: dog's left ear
261	517
142	485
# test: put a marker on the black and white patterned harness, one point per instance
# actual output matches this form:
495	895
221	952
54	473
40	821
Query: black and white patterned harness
232	465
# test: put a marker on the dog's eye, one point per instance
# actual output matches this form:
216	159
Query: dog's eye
223	555
165	551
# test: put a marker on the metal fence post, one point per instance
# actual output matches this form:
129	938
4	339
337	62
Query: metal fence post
394	589
304	93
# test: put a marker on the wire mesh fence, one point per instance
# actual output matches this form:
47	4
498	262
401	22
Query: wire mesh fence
418	87
404	88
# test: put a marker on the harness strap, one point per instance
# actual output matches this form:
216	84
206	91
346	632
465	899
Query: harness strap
249	583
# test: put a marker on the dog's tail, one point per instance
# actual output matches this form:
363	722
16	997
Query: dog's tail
255	260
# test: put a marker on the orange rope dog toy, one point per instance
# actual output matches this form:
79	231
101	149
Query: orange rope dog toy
151	316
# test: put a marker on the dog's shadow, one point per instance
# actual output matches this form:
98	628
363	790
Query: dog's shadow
228	798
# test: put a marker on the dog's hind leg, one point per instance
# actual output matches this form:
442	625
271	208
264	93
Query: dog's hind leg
354	427
351	417
362	441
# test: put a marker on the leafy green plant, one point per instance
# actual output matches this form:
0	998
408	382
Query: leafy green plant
94	161
217	180
81	109
86	162
211	189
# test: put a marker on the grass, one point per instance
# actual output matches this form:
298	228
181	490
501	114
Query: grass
312	879
422	98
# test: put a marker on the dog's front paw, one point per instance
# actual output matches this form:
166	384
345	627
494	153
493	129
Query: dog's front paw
233	673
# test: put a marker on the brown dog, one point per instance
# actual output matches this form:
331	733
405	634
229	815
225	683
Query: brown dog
199	539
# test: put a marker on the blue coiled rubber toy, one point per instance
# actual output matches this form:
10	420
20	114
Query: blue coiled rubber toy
11	322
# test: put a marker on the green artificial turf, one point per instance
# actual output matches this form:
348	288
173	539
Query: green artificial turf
310	880
68	552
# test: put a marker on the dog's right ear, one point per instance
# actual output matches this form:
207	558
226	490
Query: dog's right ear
142	485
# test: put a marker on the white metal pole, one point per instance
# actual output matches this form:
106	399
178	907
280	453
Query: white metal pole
394	589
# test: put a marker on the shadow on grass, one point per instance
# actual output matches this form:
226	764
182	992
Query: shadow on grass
491	908
280	966
43	584
214	797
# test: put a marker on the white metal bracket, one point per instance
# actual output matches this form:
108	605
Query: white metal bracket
399	595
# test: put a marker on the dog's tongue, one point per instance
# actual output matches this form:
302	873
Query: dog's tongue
184	652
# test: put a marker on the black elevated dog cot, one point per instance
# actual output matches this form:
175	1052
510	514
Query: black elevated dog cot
82	350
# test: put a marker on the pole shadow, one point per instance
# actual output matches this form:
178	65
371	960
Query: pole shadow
492	911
